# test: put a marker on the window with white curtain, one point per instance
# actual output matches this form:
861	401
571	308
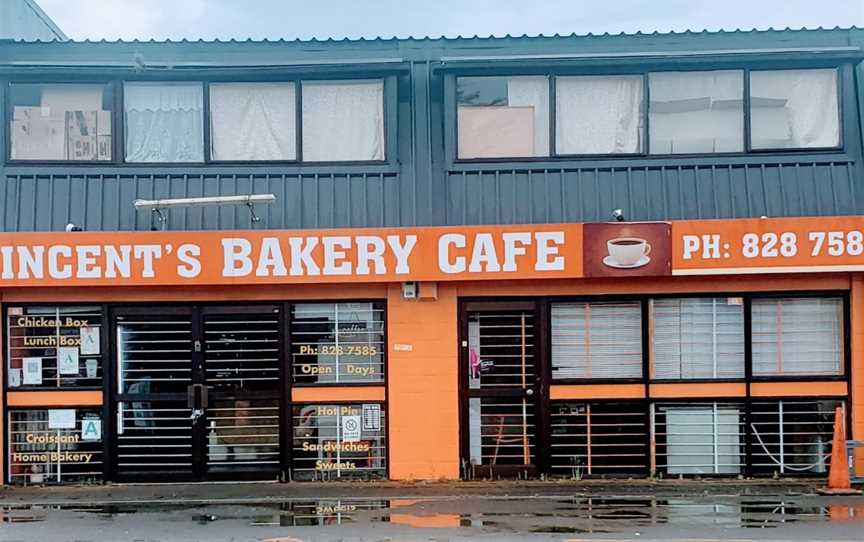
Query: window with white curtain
502	117
597	340
696	338
794	109
696	112
343	121
797	336
699	438
599	115
164	122
253	121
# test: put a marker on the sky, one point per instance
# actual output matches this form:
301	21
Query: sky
304	19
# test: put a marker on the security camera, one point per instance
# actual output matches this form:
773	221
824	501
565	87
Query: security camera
70	227
618	215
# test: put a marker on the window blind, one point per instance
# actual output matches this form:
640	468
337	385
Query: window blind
798	336
698	338
597	340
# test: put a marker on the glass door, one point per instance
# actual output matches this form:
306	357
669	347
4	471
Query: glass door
501	388
155	374
198	392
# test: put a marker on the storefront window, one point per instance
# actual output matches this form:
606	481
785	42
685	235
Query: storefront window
164	122
54	347
698	438
253	121
597	340
339	441
798	336
503	117
599	438
794	109
697	338
337	343
54	446
60	122
343	121
696	112
599	115
792	436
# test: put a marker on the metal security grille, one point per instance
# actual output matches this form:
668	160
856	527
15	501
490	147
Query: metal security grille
243	432
597	340
699	438
792	436
39	454
502	349
153	436
599	438
38	337
154	354
154	428
501	431
333	343
242	351
344	441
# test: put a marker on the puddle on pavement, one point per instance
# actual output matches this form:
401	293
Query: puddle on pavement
539	515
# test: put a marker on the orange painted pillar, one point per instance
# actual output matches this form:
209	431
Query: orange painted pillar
857	388
422	385
3	414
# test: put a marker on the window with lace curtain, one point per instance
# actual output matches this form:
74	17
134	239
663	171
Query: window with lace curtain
798	336
697	338
597	339
164	122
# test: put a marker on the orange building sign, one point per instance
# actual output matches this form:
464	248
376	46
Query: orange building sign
433	254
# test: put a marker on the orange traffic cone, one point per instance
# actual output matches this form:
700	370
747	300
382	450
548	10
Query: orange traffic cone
838	472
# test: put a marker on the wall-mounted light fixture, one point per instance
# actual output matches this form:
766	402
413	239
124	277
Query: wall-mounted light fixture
157	206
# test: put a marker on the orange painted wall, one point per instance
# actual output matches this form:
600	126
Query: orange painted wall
857	391
596	391
54	398
337	394
696	390
423	391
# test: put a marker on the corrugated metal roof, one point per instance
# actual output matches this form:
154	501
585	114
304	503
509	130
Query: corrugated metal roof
737	31
25	20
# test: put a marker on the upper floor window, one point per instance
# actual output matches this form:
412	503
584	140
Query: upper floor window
164	122
794	109
696	112
253	121
599	115
60	122
502	117
688	112
343	121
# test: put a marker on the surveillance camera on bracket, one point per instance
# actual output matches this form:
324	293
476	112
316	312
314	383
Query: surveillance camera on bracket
618	215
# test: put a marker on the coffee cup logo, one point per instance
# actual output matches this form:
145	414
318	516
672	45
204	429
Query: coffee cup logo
627	252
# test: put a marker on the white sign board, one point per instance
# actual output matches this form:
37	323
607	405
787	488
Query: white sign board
61	418
90	341
67	360
371	417
91	429
32	371
14	378
351	428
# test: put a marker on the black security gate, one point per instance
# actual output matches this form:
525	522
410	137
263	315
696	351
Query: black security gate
501	389
197	392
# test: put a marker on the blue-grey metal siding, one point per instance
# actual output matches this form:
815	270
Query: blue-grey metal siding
421	184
